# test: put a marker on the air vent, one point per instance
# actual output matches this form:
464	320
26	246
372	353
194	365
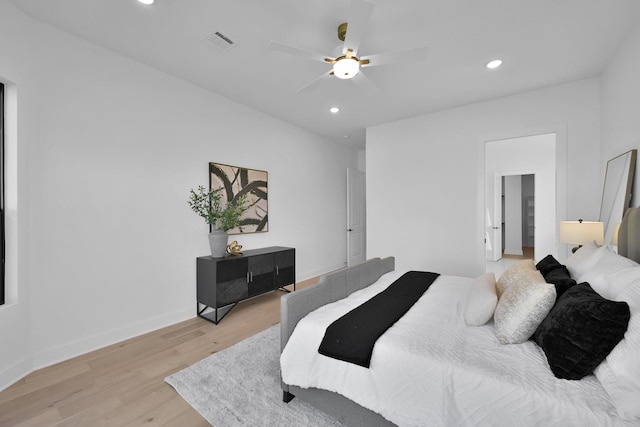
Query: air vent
219	40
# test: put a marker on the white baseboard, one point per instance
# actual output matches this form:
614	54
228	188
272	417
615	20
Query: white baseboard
15	373
73	349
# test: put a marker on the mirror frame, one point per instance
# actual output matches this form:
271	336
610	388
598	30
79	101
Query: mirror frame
612	188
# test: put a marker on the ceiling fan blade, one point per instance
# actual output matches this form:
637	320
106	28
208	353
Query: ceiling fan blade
409	55
359	16
366	85
313	83
281	47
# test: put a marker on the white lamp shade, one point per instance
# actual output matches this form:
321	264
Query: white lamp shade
346	68
581	232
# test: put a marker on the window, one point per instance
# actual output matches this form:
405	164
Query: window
1	194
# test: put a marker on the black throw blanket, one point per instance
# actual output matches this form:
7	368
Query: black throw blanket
351	338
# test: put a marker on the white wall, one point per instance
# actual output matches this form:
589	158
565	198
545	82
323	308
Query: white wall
621	107
107	150
423	175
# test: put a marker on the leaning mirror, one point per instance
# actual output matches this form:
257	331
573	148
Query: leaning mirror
616	193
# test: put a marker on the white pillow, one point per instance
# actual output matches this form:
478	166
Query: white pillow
481	300
619	374
514	274
618	281
522	308
583	259
608	263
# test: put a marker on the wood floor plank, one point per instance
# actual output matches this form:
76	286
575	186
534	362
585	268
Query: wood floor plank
95	416
43	378
96	393
47	417
143	409
123	384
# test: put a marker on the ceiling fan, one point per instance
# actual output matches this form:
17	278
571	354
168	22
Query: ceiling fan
348	64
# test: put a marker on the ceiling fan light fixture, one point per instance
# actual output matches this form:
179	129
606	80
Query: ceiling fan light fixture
346	68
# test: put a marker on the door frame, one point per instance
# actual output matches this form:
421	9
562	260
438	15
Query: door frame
560	130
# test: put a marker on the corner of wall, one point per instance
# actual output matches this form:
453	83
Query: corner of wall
15	321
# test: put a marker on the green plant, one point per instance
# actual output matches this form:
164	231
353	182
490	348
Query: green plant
208	205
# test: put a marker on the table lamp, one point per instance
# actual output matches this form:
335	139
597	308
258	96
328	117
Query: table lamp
581	232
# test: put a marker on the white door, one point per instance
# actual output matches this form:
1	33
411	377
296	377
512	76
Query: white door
495	231
356	219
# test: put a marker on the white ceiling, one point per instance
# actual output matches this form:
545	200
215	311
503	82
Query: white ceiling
542	43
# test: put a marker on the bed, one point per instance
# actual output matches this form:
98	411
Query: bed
434	368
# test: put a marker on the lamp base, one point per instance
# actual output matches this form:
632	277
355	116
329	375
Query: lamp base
573	251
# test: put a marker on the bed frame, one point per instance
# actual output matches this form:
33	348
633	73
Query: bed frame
294	306
629	235
339	284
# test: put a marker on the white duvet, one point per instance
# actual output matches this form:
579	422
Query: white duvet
431	369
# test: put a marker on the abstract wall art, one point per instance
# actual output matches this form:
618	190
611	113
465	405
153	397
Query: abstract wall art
236	181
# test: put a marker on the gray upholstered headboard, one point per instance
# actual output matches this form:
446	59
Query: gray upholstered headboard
629	235
331	287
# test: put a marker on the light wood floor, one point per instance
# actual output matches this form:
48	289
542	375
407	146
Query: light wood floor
123	384
527	253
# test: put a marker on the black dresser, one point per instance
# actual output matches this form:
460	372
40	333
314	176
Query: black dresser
223	282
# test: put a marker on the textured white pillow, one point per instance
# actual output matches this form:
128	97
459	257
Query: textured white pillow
514	274
619	280
583	259
522	308
481	300
608	263
619	374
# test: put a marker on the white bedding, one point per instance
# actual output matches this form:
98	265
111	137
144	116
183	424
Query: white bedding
431	369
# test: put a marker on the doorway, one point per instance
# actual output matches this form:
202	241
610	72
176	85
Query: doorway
520	200
518	213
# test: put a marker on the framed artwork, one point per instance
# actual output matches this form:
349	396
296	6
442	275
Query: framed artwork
236	181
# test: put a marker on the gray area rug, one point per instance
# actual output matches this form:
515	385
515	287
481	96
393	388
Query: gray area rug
240	386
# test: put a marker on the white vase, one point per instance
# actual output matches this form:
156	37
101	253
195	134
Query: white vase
218	242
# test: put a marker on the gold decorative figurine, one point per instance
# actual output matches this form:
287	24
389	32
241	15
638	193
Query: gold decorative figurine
234	248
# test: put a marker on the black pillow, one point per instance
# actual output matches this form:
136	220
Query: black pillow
547	264
561	278
580	331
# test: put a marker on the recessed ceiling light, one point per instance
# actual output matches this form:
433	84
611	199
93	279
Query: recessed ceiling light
146	1
494	64
334	110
